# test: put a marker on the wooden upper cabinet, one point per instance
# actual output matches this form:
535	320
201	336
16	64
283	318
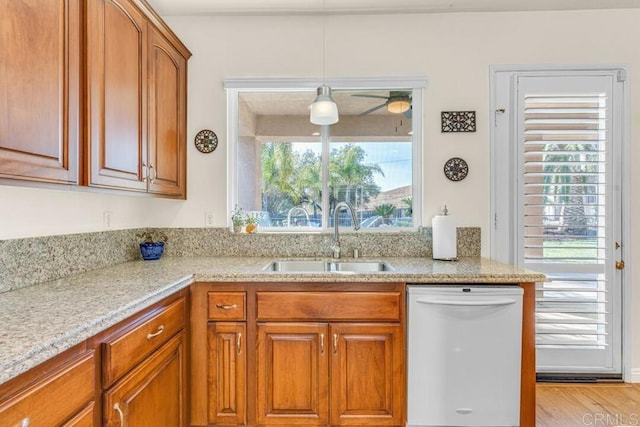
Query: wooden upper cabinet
167	117
40	90
116	94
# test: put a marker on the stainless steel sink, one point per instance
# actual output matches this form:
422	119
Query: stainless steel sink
311	266
299	266
361	267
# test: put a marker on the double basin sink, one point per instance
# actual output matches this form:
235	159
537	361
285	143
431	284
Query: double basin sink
319	266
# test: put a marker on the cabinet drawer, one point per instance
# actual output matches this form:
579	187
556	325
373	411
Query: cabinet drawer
227	305
329	305
55	398
124	351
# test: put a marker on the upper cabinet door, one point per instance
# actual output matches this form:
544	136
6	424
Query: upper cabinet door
39	89
116	94
167	117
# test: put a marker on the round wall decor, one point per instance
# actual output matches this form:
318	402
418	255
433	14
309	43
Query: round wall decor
456	169
206	141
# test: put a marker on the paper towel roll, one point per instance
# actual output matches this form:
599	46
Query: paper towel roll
444	237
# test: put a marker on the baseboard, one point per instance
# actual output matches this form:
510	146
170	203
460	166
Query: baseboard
634	376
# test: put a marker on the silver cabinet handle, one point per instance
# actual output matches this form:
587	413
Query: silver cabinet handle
152	173
335	343
145	170
120	414
321	343
239	342
25	422
227	307
156	333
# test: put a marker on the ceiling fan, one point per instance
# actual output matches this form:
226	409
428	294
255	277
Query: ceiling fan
397	102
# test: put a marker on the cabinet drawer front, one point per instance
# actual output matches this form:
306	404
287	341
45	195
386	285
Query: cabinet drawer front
122	352
329	305
227	306
55	398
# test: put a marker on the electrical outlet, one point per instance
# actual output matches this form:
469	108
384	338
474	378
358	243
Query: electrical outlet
208	219
107	218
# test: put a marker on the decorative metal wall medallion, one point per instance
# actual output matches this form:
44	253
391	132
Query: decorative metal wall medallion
458	121
456	169
206	141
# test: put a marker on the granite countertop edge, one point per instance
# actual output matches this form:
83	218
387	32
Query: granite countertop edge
74	313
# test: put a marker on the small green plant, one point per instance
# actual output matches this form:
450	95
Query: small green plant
252	219
238	217
152	236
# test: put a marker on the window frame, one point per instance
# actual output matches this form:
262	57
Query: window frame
234	87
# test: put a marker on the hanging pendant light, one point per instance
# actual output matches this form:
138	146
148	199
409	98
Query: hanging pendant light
324	110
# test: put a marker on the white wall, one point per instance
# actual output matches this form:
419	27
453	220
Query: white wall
454	51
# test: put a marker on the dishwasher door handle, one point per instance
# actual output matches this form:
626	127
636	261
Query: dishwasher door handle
489	303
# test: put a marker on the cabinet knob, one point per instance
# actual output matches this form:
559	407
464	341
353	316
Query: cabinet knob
25	422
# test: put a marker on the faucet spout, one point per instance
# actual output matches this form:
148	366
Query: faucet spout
336	233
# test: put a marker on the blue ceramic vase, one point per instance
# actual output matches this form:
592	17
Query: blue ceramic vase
151	251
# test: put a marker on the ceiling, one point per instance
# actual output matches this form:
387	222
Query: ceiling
297	103
277	7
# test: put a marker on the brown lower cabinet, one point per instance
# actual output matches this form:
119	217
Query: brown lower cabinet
133	374
152	393
297	354
62	396
338	373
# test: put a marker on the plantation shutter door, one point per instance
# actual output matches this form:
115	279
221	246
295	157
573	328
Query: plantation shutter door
566	212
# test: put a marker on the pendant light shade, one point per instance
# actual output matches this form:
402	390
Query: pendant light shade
324	110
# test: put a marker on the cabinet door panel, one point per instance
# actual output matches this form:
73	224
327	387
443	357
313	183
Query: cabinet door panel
367	374
117	95
293	375
227	373
39	90
167	117
153	393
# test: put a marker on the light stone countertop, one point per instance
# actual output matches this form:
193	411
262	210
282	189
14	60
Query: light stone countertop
41	321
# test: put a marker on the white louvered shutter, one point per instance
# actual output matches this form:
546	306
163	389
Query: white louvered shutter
565	221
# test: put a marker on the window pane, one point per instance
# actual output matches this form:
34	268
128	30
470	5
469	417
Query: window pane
280	171
371	164
292	183
279	159
375	178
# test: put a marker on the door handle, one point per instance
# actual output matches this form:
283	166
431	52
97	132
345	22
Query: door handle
620	265
467	303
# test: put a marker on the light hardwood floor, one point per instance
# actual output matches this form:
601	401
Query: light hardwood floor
595	405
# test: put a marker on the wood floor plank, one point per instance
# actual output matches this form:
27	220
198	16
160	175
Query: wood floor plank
598	405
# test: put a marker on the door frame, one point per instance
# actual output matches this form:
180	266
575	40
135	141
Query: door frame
496	243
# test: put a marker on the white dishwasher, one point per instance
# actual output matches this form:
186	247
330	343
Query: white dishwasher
464	353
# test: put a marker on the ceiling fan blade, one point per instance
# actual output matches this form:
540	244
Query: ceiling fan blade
371	110
369	96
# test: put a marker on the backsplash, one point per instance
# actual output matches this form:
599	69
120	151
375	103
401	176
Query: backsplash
24	262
